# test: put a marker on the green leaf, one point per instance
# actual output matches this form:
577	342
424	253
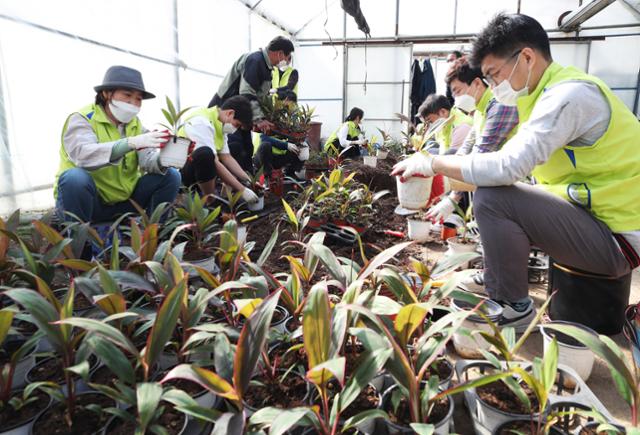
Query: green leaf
316	325
284	419
363	417
148	395
164	324
111	304
330	261
268	247
382	258
251	343
290	214
323	372
81	369
368	367
422	428
105	330
112	357
450	263
229	424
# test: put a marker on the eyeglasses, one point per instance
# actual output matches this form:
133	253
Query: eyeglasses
489	79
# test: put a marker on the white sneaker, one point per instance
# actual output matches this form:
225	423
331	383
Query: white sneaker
517	317
474	283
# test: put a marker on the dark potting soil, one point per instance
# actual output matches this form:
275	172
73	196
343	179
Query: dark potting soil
193	254
498	395
288	393
24	328
520	427
85	421
171	420
564	338
402	415
367	399
352	355
377	178
10	417
283	359
592	431
8	348
442	369
191	388
51	370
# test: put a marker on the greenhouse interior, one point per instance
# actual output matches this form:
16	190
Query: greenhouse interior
319	217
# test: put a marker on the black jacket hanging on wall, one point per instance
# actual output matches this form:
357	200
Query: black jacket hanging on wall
416	84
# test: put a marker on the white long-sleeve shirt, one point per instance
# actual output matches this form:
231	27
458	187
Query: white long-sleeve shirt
574	113
343	133
200	130
84	150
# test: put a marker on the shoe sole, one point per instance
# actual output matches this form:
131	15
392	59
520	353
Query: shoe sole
520	324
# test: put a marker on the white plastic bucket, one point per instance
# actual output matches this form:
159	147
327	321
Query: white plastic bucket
242	234
175	152
370	161
256	206
578	357
418	230
303	155
469	346
382	154
414	192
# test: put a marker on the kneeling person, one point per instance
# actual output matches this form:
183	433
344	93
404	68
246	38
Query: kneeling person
208	129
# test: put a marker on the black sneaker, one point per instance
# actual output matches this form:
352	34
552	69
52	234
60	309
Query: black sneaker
517	315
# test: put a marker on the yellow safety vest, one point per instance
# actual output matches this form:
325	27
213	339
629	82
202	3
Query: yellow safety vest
603	177
114	182
353	134
444	136
280	79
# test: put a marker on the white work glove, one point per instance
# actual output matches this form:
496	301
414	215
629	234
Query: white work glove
152	139
303	155
293	148
442	210
249	196
359	142
418	165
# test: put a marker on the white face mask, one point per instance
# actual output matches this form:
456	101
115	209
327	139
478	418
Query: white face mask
465	102
504	92
123	112
229	128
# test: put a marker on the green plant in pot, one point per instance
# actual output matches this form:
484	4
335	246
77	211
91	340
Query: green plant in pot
175	152
17	407
73	412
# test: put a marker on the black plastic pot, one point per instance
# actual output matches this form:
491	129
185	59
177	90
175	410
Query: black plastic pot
505	428
596	301
594	425
23	427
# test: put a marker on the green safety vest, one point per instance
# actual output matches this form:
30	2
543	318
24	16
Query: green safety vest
255	139
444	136
480	116
281	79
603	177
114	182
211	114
353	134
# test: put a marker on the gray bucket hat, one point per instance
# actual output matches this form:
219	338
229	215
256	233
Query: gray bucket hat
123	77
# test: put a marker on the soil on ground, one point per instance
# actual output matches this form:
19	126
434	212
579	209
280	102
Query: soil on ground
10	417
85	421
498	395
288	393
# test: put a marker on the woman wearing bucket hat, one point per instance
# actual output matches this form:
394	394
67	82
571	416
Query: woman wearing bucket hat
107	157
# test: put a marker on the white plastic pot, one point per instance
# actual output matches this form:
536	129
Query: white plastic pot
175	152
418	230
578	357
382	154
303	155
456	247
256	206
469	346
414	192
370	161
242	234
442	427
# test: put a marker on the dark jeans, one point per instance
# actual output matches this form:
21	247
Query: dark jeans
77	194
269	161
200	168
241	148
351	153
512	218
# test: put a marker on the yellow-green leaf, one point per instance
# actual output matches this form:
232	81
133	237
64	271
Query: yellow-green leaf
290	213
246	307
6	317
316	325
112	303
407	321
322	373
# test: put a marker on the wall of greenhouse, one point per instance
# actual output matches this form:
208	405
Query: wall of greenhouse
53	53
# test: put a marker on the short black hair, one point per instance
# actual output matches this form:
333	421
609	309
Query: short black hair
281	43
242	108
356	112
433	104
462	70
457	54
506	34
287	94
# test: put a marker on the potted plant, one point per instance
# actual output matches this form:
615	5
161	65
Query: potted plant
419	227
370	159
465	241
292	121
176	151
254	179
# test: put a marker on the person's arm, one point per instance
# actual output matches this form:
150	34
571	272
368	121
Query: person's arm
149	161
225	175
82	146
280	144
252	80
234	169
467	144
343	133
500	121
293	79
569	113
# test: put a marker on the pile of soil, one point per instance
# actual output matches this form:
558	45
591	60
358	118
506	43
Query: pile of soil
498	395
442	369
366	400
377	178
284	359
288	393
85	421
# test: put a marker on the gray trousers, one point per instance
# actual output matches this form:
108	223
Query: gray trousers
512	218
